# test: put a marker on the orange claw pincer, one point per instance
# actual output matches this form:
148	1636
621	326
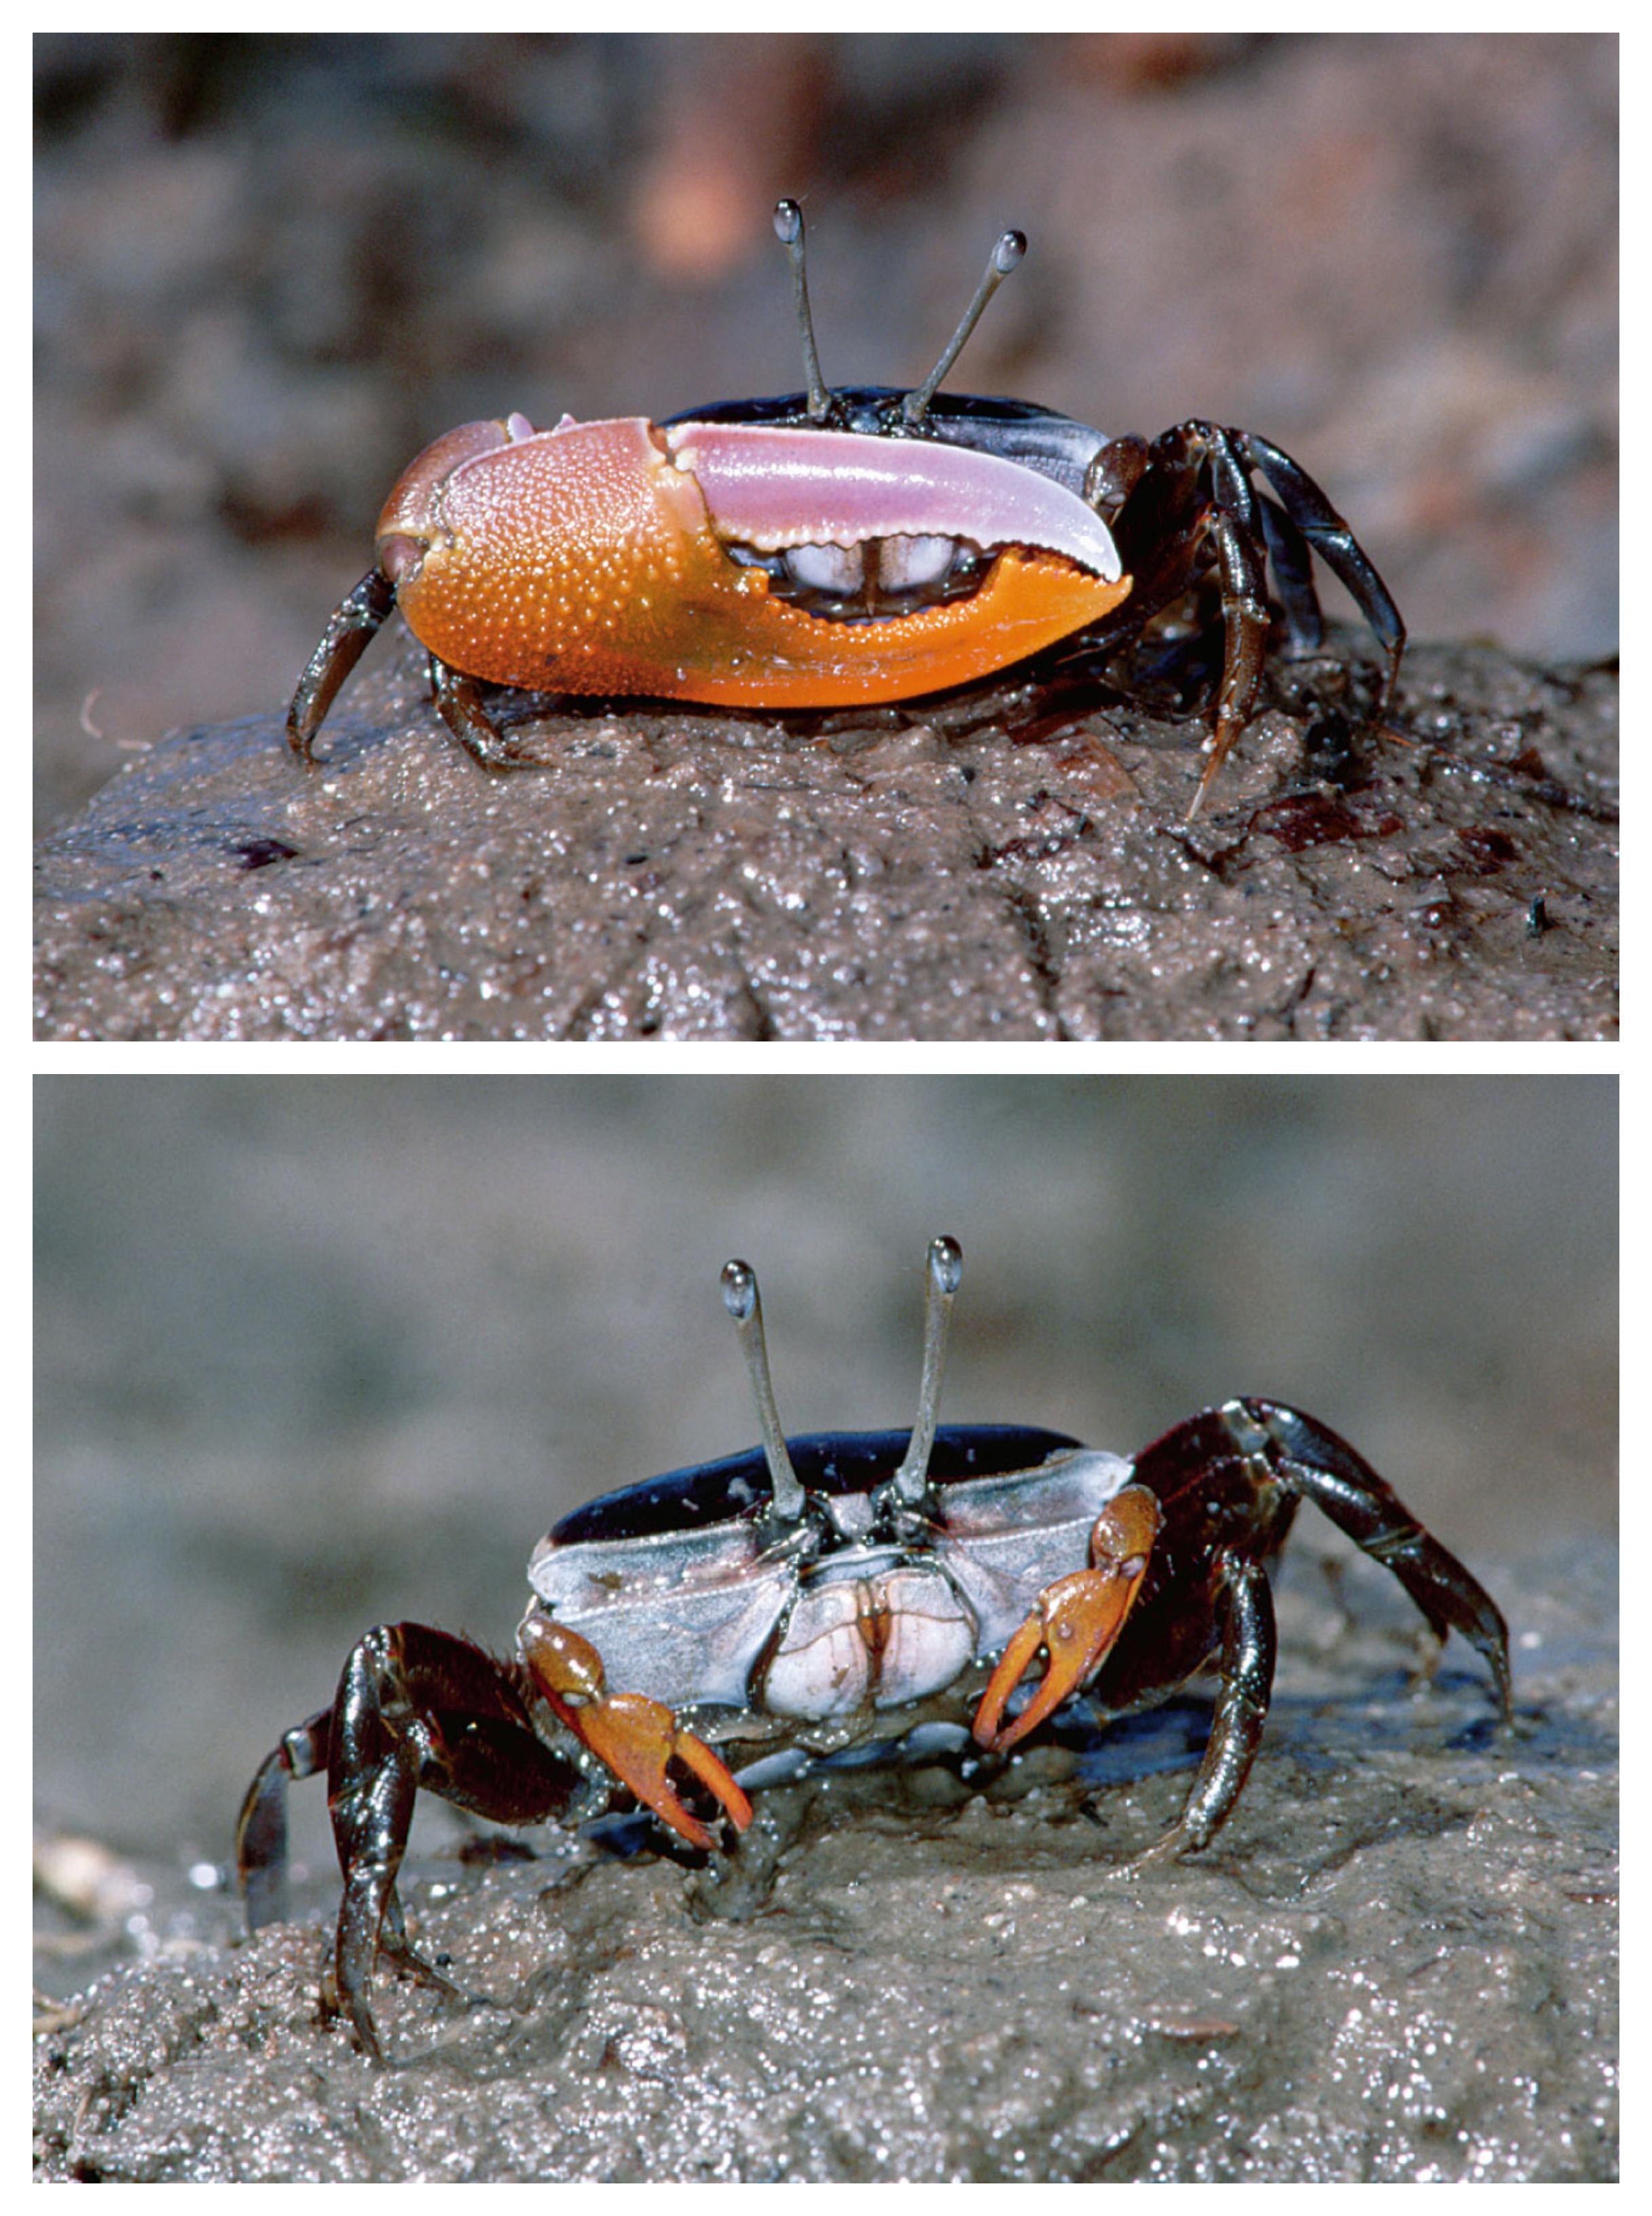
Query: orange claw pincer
634	1736
1078	1619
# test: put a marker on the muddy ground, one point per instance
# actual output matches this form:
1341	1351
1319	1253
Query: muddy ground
1398	1963
1012	864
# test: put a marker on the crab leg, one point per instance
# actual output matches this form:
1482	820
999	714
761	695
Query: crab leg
1325	1469
1247	1681
351	629
414	1708
1077	1620
1320	527
261	1830
634	1736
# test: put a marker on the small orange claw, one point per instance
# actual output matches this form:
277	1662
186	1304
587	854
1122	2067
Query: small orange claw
636	1736
1078	1619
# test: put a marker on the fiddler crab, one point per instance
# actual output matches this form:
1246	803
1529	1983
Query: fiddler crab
831	548
840	1590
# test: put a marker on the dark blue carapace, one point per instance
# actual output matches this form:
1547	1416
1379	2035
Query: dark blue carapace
826	1462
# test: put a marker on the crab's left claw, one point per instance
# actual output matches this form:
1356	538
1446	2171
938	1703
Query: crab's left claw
635	1737
1077	1620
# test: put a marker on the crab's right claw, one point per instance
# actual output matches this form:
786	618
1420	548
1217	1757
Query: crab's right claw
1078	1619
635	1737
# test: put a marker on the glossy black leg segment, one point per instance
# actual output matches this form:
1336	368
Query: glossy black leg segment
1246	1667
1332	540
458	702
1193	504
261	1828
1160	532
419	1708
351	629
1292	564
1244	614
1114	473
1325	1469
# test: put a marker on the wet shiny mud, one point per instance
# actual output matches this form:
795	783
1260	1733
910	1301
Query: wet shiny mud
1014	864
1397	1963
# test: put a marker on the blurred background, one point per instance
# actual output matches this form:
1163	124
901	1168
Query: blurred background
269	270
315	1353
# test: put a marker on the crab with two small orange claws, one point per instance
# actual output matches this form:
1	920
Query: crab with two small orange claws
769	1613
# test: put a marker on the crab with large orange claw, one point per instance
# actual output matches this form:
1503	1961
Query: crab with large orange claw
813	1598
829	547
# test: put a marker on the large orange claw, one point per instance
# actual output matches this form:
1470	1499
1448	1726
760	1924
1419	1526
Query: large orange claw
1078	1619
634	1736
587	559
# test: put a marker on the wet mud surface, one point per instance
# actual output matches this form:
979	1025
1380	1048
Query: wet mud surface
1014	865
1396	1963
